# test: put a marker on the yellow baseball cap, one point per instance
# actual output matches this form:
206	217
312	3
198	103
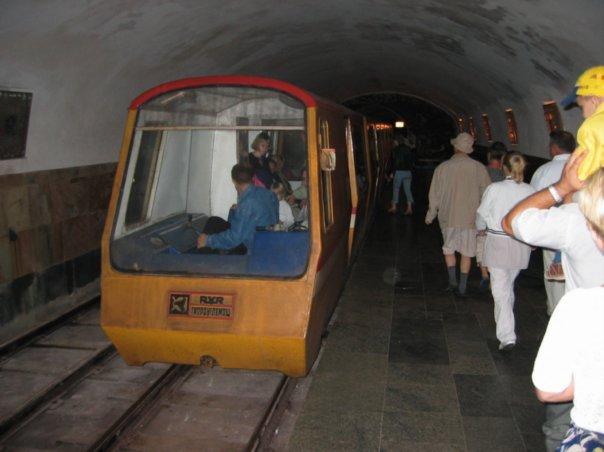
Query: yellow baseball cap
590	83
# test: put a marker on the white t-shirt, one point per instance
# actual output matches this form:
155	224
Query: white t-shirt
501	250
573	349
550	172
286	215
497	200
564	228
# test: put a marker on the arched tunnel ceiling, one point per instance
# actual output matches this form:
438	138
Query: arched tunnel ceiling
85	60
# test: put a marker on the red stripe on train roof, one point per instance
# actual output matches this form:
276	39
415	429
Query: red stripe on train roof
233	80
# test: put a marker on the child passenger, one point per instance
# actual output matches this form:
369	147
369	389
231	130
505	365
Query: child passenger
286	216
589	95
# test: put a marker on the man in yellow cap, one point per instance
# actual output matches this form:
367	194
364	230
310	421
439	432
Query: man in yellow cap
589	95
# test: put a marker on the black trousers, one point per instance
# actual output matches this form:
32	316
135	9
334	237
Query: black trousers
215	225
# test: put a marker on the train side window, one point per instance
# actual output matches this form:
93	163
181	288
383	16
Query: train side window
510	120
292	147
552	116
326	183
144	175
486	127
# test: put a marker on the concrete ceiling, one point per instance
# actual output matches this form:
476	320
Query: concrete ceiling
84	61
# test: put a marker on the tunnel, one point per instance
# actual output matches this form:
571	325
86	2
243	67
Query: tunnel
496	69
83	63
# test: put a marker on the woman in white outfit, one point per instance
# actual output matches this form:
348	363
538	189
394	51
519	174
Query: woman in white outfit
504	255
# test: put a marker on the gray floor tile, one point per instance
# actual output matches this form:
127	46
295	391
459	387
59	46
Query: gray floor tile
370	365
345	393
481	395
336	431
430	374
400	427
418	341
421	398
492	434
358	338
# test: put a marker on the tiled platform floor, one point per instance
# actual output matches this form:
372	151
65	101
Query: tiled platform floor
408	367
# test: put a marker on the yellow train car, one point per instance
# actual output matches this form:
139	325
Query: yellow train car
163	300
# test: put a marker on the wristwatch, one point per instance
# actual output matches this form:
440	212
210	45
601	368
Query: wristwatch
555	194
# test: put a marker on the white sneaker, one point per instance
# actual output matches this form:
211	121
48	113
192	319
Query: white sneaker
507	346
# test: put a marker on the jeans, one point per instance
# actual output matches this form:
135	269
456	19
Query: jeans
402	177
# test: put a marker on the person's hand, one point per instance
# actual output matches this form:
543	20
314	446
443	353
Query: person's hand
234	206
201	240
428	220
570	182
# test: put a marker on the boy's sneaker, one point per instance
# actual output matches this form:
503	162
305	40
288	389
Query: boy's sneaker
555	272
507	346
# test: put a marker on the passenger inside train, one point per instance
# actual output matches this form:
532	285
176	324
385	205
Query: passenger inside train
258	159
286	215
256	207
185	146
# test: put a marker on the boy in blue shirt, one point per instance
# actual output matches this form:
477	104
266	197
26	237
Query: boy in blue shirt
256	207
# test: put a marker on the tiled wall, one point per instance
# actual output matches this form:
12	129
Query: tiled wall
50	229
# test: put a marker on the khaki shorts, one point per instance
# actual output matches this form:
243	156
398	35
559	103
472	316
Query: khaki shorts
461	240
480	241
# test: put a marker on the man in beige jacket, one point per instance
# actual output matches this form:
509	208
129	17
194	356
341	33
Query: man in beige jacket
455	194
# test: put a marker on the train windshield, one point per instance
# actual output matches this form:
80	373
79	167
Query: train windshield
177	186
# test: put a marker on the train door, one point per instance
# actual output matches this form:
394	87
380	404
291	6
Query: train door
374	156
354	193
360	181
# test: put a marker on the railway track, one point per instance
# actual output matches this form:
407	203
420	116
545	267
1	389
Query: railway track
65	387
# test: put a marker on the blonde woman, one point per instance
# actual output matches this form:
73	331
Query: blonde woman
504	255
258	160
570	362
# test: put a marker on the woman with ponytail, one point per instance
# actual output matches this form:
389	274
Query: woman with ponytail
504	255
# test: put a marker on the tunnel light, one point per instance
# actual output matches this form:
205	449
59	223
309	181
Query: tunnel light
552	116
511	124
399	124
486	127
380	126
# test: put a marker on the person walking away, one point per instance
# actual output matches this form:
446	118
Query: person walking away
404	161
455	192
494	156
504	255
494	161
561	145
570	362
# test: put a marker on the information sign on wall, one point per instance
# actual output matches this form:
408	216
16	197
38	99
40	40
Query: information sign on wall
15	107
